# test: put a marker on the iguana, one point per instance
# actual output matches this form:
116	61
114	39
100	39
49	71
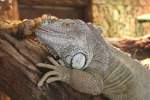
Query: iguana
89	64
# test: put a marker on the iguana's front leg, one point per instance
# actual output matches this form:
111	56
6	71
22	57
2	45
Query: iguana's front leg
80	80
57	72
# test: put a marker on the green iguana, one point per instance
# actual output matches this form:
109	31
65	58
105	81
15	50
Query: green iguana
90	65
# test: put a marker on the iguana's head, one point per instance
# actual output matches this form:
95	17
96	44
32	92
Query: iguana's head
73	40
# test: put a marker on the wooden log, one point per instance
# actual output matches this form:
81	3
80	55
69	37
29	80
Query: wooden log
75	9
9	9
30	12
71	3
4	96
19	74
138	48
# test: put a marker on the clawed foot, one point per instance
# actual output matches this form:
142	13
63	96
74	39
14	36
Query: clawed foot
57	73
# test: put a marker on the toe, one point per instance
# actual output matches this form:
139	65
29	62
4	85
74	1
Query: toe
61	62
43	65
53	61
45	76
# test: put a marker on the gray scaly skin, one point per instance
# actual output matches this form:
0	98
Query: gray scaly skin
91	65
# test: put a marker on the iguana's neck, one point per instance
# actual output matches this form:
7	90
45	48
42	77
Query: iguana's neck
105	57
115	60
101	56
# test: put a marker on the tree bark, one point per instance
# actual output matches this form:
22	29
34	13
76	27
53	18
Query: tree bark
138	48
9	9
19	74
68	3
4	96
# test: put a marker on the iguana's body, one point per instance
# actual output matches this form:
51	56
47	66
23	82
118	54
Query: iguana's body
134	76
101	68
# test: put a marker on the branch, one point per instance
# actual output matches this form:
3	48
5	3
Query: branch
138	48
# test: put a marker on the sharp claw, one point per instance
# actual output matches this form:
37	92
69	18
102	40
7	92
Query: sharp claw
53	61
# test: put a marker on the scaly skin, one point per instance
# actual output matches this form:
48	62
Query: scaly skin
106	70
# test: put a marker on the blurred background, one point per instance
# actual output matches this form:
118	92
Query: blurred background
116	17
125	23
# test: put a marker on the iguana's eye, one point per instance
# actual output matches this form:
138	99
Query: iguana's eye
78	61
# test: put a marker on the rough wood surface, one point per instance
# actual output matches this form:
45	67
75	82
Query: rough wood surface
76	3
138	48
9	9
29	12
74	9
19	74
4	96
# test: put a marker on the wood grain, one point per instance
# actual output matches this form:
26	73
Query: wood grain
9	9
72	3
